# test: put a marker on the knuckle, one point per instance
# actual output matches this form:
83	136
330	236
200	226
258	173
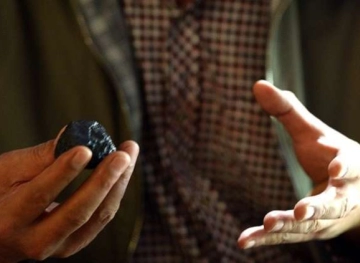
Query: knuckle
106	215
77	218
40	199
107	182
123	183
108	179
128	172
40	152
312	226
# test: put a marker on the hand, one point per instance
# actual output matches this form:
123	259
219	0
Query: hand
31	225
331	161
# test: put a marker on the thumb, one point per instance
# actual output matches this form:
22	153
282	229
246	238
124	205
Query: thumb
286	108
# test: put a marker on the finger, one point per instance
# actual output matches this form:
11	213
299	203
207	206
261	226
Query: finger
29	162
106	210
277	220
132	148
345	166
282	238
327	205
284	221
257	236
31	199
79	208
247	238
117	192
283	105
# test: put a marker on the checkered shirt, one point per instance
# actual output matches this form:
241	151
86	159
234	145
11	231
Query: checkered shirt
211	158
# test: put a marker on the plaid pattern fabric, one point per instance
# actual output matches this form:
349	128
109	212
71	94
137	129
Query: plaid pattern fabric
212	162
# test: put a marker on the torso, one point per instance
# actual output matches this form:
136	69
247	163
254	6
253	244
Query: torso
218	165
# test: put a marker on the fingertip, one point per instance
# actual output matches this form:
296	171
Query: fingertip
271	99
242	239
304	211
269	221
299	210
247	245
123	155
81	155
250	237
240	243
309	212
337	168
130	147
262	88
262	82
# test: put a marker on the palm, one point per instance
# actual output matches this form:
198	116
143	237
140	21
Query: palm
315	144
330	160
315	155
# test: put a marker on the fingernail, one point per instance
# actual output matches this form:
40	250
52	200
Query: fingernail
278	226
343	171
310	211
250	244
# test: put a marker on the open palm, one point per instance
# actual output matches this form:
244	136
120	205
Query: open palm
329	159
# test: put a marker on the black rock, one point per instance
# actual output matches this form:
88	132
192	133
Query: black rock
90	134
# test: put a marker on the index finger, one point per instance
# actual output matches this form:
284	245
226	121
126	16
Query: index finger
106	210
79	208
29	162
33	197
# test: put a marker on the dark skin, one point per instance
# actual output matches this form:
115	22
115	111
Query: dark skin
32	225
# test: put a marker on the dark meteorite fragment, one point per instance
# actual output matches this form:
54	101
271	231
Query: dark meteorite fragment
90	134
